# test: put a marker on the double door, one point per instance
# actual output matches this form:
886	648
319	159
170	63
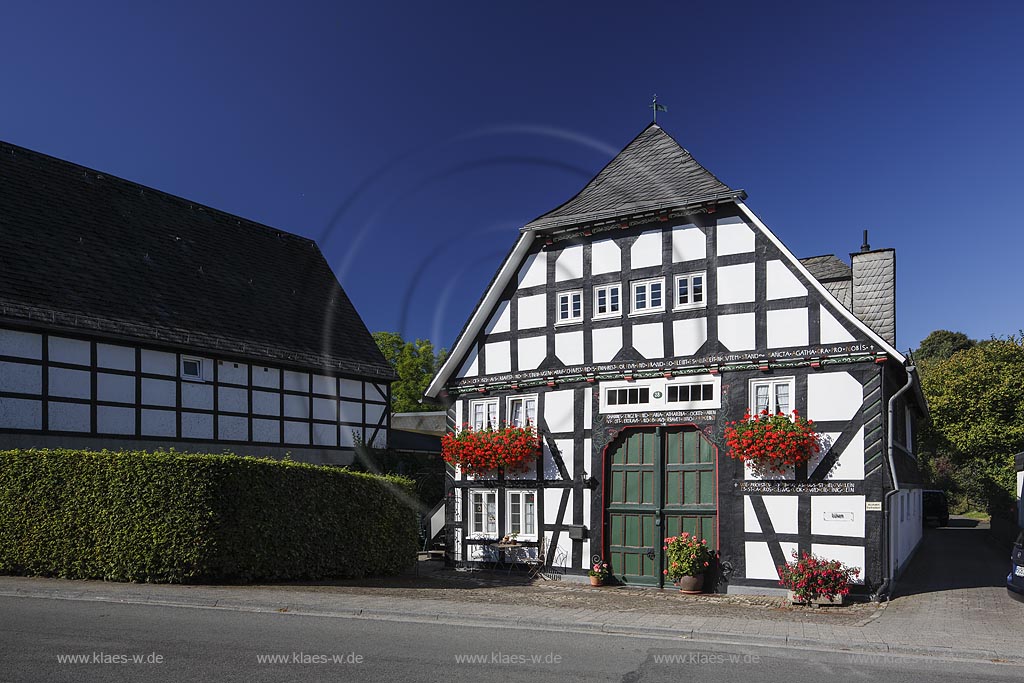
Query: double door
660	483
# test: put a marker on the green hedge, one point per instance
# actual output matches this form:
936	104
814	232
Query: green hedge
175	517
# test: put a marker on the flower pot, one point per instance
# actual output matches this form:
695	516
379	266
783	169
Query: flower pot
691	585
596	581
818	601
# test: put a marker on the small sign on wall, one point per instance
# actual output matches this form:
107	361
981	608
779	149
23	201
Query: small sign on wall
873	506
831	516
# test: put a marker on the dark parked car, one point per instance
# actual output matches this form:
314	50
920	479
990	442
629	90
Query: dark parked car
1015	580
934	505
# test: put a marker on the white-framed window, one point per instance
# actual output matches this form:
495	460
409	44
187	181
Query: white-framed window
483	414
192	368
483	512
648	296
660	394
607	301
690	291
628	396
522	514
691	394
522	410
570	307
773	395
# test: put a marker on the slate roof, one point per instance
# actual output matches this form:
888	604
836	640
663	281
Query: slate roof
827	267
88	251
651	172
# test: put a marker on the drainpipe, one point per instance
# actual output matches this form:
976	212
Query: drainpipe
886	588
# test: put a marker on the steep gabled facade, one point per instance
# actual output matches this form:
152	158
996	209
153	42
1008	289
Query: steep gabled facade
130	318
631	325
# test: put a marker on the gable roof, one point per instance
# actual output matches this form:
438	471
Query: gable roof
828	267
651	172
85	250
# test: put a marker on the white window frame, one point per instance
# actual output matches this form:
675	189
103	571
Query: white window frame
524	534
525	400
568	295
657	396
645	285
187	376
607	290
689	277
772	383
714	402
607	407
484	402
486	525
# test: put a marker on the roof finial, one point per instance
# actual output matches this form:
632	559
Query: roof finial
657	107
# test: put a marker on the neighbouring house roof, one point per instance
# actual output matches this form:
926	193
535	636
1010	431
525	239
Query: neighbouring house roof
425	422
651	172
413	442
827	267
88	251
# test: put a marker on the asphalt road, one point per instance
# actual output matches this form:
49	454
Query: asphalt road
66	640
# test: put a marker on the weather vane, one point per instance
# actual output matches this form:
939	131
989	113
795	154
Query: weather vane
657	107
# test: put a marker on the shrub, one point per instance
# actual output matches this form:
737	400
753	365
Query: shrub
174	517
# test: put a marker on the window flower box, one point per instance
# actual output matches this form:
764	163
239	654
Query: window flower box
513	449
772	444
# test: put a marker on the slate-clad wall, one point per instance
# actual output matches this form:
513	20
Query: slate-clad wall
874	290
56	385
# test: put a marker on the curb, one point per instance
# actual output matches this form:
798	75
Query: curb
604	627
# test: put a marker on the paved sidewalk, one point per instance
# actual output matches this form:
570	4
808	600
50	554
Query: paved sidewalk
950	604
447	597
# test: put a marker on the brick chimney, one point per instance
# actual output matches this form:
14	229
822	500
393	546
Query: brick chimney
874	289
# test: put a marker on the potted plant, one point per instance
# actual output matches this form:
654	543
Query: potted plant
688	558
480	451
812	579
598	573
772	443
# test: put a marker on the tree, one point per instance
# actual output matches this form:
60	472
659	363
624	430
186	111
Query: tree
942	344
976	400
415	363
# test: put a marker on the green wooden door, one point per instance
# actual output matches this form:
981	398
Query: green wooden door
661	481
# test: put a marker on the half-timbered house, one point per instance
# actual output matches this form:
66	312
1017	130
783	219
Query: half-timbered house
631	324
130	318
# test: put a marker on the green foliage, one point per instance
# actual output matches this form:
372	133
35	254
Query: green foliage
174	517
976	399
415	363
942	344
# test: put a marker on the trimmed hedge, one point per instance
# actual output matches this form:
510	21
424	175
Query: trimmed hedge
176	517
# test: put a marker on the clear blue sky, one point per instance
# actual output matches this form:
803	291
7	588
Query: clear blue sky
413	139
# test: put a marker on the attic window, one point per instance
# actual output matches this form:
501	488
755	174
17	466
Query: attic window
191	368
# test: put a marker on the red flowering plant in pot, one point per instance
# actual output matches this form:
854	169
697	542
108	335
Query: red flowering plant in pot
772	443
814	579
479	451
688	558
